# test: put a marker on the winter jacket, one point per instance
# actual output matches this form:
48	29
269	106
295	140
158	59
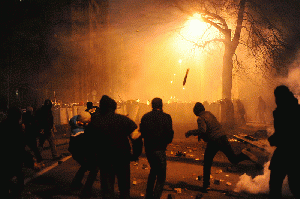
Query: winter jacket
157	131
286	137
209	127
45	118
110	137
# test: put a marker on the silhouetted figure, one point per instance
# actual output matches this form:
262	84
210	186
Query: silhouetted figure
241	112
46	124
13	153
284	161
261	110
90	108
157	130
31	133
80	150
211	131
227	112
111	134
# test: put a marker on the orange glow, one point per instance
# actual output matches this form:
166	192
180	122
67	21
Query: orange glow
194	28
166	59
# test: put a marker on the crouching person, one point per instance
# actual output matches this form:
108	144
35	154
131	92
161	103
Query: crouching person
157	131
80	150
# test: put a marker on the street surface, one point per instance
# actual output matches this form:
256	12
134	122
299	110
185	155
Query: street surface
184	167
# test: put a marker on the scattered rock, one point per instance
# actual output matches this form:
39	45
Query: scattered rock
177	190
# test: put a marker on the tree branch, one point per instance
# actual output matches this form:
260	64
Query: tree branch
208	42
204	44
237	33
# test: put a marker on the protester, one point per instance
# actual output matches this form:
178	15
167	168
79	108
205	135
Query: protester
46	126
157	130
109	134
241	113
211	131
31	133
13	153
261	110
79	148
284	161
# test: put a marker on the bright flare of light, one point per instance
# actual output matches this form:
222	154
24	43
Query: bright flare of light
196	27
181	52
196	30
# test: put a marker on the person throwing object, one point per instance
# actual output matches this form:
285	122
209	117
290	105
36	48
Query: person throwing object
211	131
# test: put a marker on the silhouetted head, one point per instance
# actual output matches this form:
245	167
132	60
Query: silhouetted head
283	96
107	104
89	105
198	108
48	103
157	103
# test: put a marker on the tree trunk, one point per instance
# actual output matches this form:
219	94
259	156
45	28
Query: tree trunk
227	111
227	67
230	47
227	75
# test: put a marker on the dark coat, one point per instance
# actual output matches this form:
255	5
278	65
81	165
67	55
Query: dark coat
285	137
208	126
31	128
14	150
45	118
109	135
157	131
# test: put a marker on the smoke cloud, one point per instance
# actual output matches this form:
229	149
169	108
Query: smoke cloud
260	184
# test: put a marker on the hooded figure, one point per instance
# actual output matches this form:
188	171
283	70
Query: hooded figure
286	139
110	134
46	124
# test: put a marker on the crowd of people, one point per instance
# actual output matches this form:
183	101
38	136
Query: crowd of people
102	141
21	130
105	141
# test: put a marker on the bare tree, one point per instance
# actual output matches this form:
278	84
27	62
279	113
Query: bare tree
261	26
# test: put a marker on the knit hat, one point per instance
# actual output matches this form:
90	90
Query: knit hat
198	108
